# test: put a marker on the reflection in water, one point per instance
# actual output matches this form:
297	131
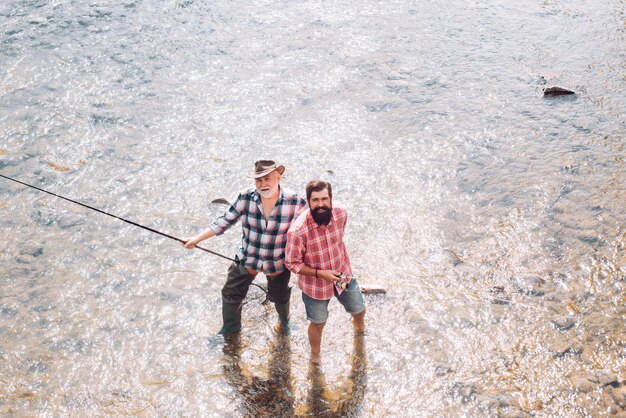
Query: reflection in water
345	400
271	397
274	396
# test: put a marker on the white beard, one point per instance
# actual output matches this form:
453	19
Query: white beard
268	193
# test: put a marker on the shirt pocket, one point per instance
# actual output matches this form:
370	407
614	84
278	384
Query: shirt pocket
335	238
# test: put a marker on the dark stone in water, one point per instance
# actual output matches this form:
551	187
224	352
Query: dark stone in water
185	4
605	377
591	240
619	396
8	311
570	351
37	367
442	371
562	326
454	258
171	296
35	252
72	345
220	201
557	91
381	107
501	298
7	163
463	391
38	252
22	260
528	285
501	301
105	120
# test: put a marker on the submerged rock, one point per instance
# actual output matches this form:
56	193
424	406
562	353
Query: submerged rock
529	284
563	324
556	91
606	378
619	396
453	257
58	167
562	348
463	391
499	296
570	351
584	382
220	201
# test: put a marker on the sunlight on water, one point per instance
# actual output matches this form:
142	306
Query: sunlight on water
493	216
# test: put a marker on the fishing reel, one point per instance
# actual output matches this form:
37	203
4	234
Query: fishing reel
343	284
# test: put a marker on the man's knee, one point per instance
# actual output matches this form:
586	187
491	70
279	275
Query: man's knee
359	314
232	296
237	284
278	289
281	295
318	327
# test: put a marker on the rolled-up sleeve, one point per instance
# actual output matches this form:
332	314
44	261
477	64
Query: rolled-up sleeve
230	217
294	252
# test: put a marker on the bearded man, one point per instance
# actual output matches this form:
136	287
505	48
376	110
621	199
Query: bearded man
317	254
266	213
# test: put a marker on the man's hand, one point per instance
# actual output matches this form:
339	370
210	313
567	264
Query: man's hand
329	275
189	243
193	241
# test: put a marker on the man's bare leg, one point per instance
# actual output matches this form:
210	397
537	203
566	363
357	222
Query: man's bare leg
358	321
315	340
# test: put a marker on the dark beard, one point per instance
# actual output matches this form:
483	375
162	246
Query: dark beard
321	215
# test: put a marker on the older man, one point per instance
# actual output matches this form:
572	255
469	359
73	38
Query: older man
317	254
266	213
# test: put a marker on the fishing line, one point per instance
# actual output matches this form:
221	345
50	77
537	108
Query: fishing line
117	217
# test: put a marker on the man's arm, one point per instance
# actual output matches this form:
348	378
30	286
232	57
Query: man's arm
192	242
294	251
328	275
294	254
221	224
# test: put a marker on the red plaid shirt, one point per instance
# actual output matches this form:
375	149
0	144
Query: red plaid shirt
319	247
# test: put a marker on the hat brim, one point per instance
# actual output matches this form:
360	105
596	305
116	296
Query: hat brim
280	169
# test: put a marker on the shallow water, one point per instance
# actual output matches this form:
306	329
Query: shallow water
493	216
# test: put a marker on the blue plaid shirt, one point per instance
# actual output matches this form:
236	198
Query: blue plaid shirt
263	243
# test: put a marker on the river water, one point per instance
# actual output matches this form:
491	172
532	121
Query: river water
493	216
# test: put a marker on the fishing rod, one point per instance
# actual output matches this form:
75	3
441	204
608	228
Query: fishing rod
117	217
